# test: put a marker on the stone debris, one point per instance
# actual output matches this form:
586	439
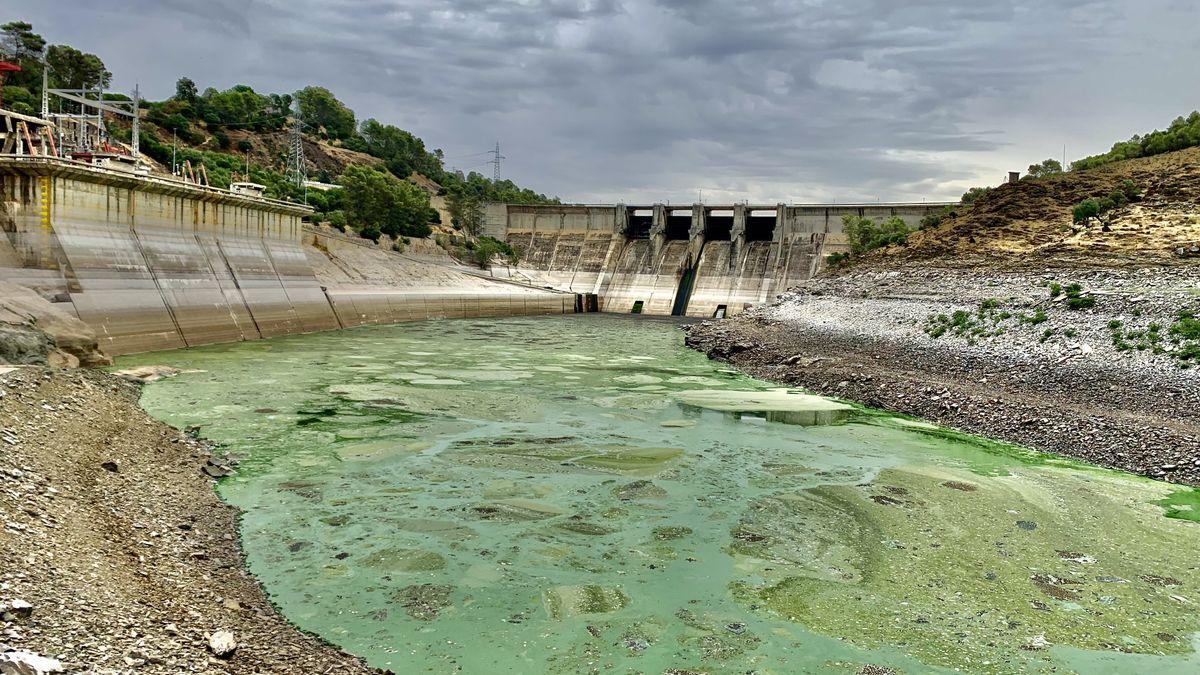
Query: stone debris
116	555
1059	382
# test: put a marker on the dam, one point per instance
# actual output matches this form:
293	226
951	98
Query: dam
699	260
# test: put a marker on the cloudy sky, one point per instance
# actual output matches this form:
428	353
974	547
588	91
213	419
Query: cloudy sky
652	100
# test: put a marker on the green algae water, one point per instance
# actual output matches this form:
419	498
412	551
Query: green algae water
585	494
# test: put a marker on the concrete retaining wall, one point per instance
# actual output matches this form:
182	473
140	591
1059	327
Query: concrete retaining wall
154	263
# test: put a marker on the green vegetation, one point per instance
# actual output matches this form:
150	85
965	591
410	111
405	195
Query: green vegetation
202	124
1183	133
972	195
1099	208
69	67
936	218
483	250
1076	299
376	200
867	235
1048	167
1182	339
837	259
985	322
322	113
1185	332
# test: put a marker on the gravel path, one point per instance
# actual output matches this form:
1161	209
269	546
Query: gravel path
116	555
1016	364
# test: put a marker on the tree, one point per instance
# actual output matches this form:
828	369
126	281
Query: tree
19	41
320	109
73	69
972	195
1048	167
466	213
374	199
185	90
402	152
866	235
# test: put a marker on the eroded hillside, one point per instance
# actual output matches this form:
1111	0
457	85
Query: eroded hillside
1030	222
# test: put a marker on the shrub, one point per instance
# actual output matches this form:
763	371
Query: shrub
244	145
1077	300
866	235
483	250
371	233
1083	302
337	219
1055	289
1034	319
1085	210
972	195
837	259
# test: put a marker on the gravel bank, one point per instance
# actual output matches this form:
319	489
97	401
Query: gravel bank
116	555
1017	364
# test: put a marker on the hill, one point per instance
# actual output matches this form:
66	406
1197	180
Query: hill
1031	221
241	134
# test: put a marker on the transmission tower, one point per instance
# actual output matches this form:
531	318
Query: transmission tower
296	169
496	157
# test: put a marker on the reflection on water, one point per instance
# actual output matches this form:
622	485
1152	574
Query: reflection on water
585	494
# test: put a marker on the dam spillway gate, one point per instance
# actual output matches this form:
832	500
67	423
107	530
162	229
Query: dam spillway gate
700	260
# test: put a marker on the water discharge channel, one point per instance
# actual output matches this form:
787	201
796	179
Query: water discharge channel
585	494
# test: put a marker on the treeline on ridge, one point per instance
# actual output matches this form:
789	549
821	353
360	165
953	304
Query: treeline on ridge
195	126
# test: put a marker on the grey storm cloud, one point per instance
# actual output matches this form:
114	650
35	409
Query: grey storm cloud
638	100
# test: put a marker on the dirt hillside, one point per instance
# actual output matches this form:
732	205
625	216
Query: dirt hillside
1030	222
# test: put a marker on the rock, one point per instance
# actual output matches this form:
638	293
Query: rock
145	374
20	609
62	337
222	644
22	662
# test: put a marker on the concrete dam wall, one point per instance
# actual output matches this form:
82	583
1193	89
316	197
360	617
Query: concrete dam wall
699	260
156	263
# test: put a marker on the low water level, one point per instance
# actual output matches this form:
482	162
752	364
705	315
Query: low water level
585	494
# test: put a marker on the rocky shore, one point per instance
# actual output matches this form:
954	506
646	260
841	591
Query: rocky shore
1094	365
116	555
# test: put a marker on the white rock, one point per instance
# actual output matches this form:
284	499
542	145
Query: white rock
222	644
23	662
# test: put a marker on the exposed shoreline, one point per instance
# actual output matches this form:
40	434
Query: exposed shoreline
862	337
116	537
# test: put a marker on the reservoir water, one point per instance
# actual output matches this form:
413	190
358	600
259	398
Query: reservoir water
585	494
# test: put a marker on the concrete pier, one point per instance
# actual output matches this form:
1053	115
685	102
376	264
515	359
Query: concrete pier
699	260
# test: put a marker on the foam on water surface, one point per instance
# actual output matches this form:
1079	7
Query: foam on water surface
591	495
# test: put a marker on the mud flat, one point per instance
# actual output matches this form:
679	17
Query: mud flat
116	555
999	354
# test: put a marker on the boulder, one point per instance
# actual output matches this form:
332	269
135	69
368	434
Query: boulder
22	662
145	374
36	331
222	644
